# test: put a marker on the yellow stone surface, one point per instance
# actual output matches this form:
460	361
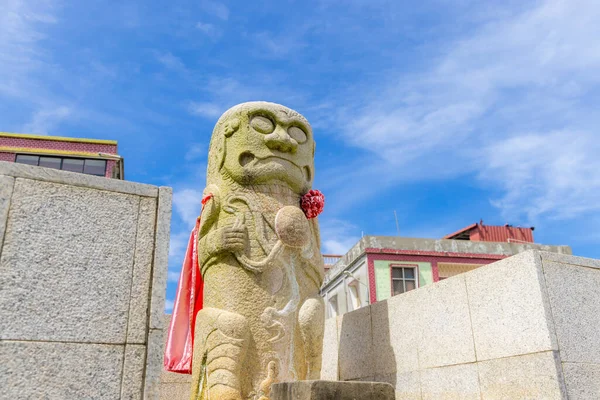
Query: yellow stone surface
260	258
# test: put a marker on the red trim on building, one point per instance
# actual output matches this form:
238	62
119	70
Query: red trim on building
444	254
432	257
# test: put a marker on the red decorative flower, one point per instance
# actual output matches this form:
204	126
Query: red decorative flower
312	203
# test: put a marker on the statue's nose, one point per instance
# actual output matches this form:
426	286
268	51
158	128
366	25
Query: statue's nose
281	140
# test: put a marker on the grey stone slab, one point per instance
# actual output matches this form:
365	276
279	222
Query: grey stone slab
329	366
66	265
445	337
510	312
174	391
460	382
133	372
531	376
142	272
396	328
154	364
46	370
407	384
582	381
76	179
569	259
575	300
6	189
161	257
355	346
327	390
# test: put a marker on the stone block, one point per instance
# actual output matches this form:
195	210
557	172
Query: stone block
133	372
161	257
174	391
569	259
445	336
45	370
142	272
531	376
396	330
154	364
327	390
329	365
407	384
76	179
509	308
6	189
582	381
355	346
575	301
66	264
460	382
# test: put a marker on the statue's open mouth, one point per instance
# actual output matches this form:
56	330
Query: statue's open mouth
247	158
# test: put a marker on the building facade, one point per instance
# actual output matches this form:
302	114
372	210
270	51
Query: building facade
379	267
88	156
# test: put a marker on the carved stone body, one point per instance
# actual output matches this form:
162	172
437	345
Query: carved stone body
262	320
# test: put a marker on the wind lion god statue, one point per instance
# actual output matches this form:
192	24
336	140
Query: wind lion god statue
248	313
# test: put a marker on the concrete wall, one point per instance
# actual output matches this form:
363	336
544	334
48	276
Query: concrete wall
83	264
523	327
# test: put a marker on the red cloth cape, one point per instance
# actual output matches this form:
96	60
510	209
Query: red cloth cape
188	301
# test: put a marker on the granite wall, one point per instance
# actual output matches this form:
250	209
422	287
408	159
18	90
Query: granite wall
525	327
83	264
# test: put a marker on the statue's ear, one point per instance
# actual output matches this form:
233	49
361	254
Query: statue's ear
231	126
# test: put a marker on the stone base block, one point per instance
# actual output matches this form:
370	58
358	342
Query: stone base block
330	390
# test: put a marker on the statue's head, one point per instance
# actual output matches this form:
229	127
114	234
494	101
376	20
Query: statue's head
261	143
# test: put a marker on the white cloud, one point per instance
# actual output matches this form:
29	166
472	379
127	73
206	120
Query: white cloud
173	276
44	120
526	72
169	306
207	110
337	236
196	151
209	30
170	61
216	9
187	204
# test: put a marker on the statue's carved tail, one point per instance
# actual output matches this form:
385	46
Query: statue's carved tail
219	350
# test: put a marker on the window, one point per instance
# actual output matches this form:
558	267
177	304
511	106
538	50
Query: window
85	165
404	278
333	306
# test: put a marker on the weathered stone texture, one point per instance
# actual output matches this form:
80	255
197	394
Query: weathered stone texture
66	263
327	390
142	272
6	189
46	370
504	331
161	257
329	370
133	372
509	308
574	294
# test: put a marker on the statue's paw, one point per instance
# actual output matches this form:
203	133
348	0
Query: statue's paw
234	239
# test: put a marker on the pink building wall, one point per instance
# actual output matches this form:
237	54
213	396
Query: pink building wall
60	145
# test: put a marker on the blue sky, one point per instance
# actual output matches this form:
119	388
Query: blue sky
447	111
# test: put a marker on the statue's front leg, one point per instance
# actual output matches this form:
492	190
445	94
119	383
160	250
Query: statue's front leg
311	319
220	344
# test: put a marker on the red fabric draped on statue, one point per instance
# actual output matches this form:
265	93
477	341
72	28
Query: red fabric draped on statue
188	301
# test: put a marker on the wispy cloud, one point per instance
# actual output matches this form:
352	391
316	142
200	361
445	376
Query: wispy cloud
187	203
170	61
337	236
169	306
206	110
209	30
467	113
44	121
216	9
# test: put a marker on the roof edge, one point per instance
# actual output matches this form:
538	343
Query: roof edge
57	138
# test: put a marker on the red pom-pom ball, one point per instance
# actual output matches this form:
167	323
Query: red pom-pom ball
312	203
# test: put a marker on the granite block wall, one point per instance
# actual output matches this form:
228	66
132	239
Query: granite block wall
83	264
525	327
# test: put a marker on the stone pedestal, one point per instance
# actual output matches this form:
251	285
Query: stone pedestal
331	390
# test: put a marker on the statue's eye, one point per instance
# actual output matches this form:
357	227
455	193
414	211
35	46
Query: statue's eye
262	124
297	134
